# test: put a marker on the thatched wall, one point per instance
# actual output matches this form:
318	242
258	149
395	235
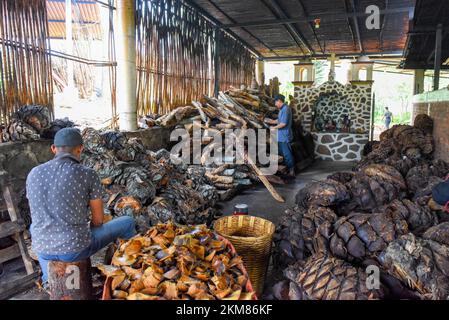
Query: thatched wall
25	68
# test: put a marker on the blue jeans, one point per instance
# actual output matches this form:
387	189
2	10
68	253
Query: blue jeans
387	123
285	150
122	227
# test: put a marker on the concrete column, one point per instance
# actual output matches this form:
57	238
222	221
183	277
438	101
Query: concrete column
418	81
260	72
126	64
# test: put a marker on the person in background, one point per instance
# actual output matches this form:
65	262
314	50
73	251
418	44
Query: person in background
66	207
285	133
387	118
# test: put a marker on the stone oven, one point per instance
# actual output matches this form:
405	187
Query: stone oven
337	115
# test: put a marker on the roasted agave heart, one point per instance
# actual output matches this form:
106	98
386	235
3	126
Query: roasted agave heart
173	262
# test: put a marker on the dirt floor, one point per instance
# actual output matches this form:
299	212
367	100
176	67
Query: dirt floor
260	204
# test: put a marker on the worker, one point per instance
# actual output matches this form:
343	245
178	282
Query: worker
285	133
60	193
387	118
440	196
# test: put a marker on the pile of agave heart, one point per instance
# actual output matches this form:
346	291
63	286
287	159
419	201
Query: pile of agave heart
172	262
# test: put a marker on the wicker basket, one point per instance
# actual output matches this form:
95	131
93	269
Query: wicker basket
252	238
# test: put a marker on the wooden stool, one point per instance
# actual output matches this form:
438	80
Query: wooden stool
70	280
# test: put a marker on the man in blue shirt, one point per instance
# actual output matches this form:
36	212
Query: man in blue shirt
66	206
285	134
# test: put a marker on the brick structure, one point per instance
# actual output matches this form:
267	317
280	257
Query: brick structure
436	105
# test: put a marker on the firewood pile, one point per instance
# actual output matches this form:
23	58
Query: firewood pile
235	109
148	185
32	122
172	262
375	217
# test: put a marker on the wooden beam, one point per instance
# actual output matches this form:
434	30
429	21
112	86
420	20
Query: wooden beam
9	253
357	28
348	21
297	36
323	17
345	55
218	23
303	8
437	63
15	286
217	63
384	22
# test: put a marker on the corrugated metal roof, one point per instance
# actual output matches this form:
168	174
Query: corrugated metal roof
265	25
85	14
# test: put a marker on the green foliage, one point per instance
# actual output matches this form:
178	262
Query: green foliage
287	89
402	118
320	72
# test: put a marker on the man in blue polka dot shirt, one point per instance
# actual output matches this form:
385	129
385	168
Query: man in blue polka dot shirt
66	206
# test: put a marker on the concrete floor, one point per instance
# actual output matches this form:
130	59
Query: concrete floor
262	204
258	199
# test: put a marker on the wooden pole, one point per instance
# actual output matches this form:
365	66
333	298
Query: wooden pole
217	63
438	42
69	43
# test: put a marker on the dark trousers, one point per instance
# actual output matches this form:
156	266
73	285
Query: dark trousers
285	150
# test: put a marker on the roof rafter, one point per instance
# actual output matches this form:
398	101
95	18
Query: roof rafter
349	25
357	28
244	29
297	36
303	8
347	55
323	17
218	24
384	22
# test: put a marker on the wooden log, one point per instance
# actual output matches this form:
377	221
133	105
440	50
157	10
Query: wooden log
9	253
220	169
70	280
224	126
219	179
265	181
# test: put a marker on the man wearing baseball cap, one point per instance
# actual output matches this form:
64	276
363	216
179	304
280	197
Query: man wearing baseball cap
66	206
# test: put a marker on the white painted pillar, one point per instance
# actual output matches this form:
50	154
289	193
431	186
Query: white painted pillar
126	64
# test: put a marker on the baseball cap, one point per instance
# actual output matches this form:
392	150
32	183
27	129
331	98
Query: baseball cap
68	137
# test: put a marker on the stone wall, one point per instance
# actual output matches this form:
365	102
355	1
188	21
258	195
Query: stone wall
436	105
339	146
357	96
18	158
